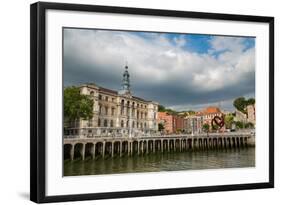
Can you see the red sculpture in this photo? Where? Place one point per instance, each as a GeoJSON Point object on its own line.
{"type": "Point", "coordinates": [219, 121]}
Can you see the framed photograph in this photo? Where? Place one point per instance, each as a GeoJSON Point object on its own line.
{"type": "Point", "coordinates": [129, 102]}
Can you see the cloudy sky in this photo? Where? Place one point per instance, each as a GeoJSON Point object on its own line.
{"type": "Point", "coordinates": [180, 71]}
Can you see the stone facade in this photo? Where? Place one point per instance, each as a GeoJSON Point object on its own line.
{"type": "Point", "coordinates": [240, 116]}
{"type": "Point", "coordinates": [172, 123]}
{"type": "Point", "coordinates": [251, 111]}
{"type": "Point", "coordinates": [193, 124]}
{"type": "Point", "coordinates": [116, 113]}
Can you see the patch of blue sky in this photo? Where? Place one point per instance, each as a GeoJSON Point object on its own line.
{"type": "Point", "coordinates": [197, 43]}
{"type": "Point", "coordinates": [249, 42]}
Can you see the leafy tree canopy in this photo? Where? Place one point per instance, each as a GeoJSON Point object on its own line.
{"type": "Point", "coordinates": [228, 120]}
{"type": "Point", "coordinates": [251, 101]}
{"type": "Point", "coordinates": [161, 127]}
{"type": "Point", "coordinates": [162, 108]}
{"type": "Point", "coordinates": [239, 124]}
{"type": "Point", "coordinates": [241, 103]}
{"type": "Point", "coordinates": [206, 127]}
{"type": "Point", "coordinates": [249, 125]}
{"type": "Point", "coordinates": [76, 105]}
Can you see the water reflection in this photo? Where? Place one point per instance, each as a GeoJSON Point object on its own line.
{"type": "Point", "coordinates": [211, 159]}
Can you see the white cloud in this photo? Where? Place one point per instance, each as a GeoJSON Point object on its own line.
{"type": "Point", "coordinates": [156, 60]}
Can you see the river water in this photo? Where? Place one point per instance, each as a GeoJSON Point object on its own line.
{"type": "Point", "coordinates": [193, 160]}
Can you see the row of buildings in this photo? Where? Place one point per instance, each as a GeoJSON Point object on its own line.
{"type": "Point", "coordinates": [188, 123]}
{"type": "Point", "coordinates": [121, 113]}
{"type": "Point", "coordinates": [193, 123]}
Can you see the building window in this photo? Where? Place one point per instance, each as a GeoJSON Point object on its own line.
{"type": "Point", "coordinates": [122, 107]}
{"type": "Point", "coordinates": [112, 111]}
{"type": "Point", "coordinates": [106, 98]}
{"type": "Point", "coordinates": [100, 97]}
{"type": "Point", "coordinates": [99, 123]}
{"type": "Point", "coordinates": [112, 99]}
{"type": "Point", "coordinates": [122, 123]}
{"type": "Point", "coordinates": [111, 123]}
{"type": "Point", "coordinates": [100, 108]}
{"type": "Point", "coordinates": [128, 108]}
{"type": "Point", "coordinates": [92, 93]}
{"type": "Point", "coordinates": [106, 110]}
{"type": "Point", "coordinates": [145, 125]}
{"type": "Point", "coordinates": [127, 124]}
{"type": "Point", "coordinates": [105, 123]}
{"type": "Point", "coordinates": [133, 124]}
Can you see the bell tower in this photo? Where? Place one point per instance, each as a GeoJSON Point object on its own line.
{"type": "Point", "coordinates": [126, 82]}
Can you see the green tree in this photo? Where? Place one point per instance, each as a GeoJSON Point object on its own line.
{"type": "Point", "coordinates": [161, 108]}
{"type": "Point", "coordinates": [215, 127]}
{"type": "Point", "coordinates": [76, 105]}
{"type": "Point", "coordinates": [228, 120]}
{"type": "Point", "coordinates": [251, 101]}
{"type": "Point", "coordinates": [161, 127]}
{"type": "Point", "coordinates": [239, 125]}
{"type": "Point", "coordinates": [206, 127]}
{"type": "Point", "coordinates": [240, 104]}
{"type": "Point", "coordinates": [249, 125]}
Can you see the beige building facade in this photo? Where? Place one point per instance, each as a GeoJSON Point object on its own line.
{"type": "Point", "coordinates": [116, 113]}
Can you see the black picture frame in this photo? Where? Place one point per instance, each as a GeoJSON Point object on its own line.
{"type": "Point", "coordinates": [38, 101]}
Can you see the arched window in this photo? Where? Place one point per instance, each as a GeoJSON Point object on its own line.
{"type": "Point", "coordinates": [128, 108]}
{"type": "Point", "coordinates": [105, 123]}
{"type": "Point", "coordinates": [133, 109]}
{"type": "Point", "coordinates": [122, 107]}
{"type": "Point", "coordinates": [100, 108]}
{"type": "Point", "coordinates": [111, 123]}
{"type": "Point", "coordinates": [92, 93]}
{"type": "Point", "coordinates": [122, 123]}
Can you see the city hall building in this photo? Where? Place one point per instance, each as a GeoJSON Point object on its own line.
{"type": "Point", "coordinates": [116, 113]}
